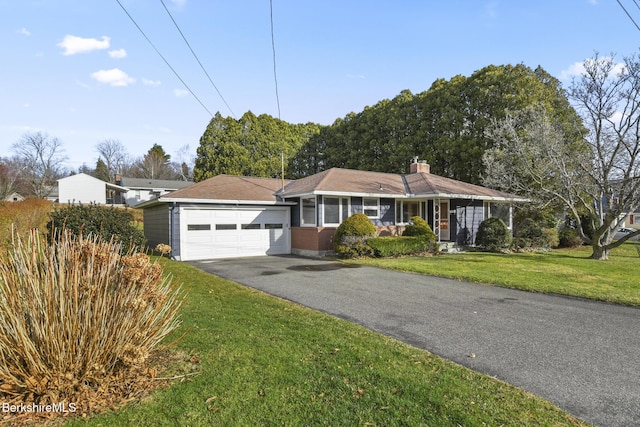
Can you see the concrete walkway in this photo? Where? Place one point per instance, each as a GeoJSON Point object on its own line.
{"type": "Point", "coordinates": [582, 355]}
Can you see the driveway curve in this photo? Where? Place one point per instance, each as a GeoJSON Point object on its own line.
{"type": "Point", "coordinates": [582, 355]}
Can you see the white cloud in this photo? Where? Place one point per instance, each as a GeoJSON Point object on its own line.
{"type": "Point", "coordinates": [24, 32]}
{"type": "Point", "coordinates": [179, 3]}
{"type": "Point", "coordinates": [577, 69]}
{"type": "Point", "coordinates": [73, 44]}
{"type": "Point", "coordinates": [113, 77]}
{"type": "Point", "coordinates": [180, 92]}
{"type": "Point", "coordinates": [117, 54]}
{"type": "Point", "coordinates": [149, 82]}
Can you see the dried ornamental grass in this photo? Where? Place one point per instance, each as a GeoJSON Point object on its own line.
{"type": "Point", "coordinates": [79, 323]}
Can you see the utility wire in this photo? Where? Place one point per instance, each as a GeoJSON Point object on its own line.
{"type": "Point", "coordinates": [629, 15]}
{"type": "Point", "coordinates": [196, 57]}
{"type": "Point", "coordinates": [163, 58]}
{"type": "Point", "coordinates": [273, 48]}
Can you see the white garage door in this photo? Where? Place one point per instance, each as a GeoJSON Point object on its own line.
{"type": "Point", "coordinates": [230, 233]}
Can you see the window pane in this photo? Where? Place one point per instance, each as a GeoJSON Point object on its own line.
{"type": "Point", "coordinates": [501, 211]}
{"type": "Point", "coordinates": [309, 211]}
{"type": "Point", "coordinates": [198, 227]}
{"type": "Point", "coordinates": [409, 210]}
{"type": "Point", "coordinates": [225, 227]}
{"type": "Point", "coordinates": [370, 207]}
{"type": "Point", "coordinates": [273, 226]}
{"type": "Point", "coordinates": [251, 226]}
{"type": "Point", "coordinates": [331, 210]}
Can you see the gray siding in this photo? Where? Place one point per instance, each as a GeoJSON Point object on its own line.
{"type": "Point", "coordinates": [387, 212]}
{"type": "Point", "coordinates": [156, 225]}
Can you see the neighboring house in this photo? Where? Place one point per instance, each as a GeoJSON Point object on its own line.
{"type": "Point", "coordinates": [143, 189]}
{"type": "Point", "coordinates": [52, 194]}
{"type": "Point", "coordinates": [632, 220]}
{"type": "Point", "coordinates": [83, 188]}
{"type": "Point", "coordinates": [233, 216]}
{"type": "Point", "coordinates": [14, 197]}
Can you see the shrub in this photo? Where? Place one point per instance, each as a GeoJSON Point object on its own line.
{"type": "Point", "coordinates": [350, 239]}
{"type": "Point", "coordinates": [21, 217]}
{"type": "Point", "coordinates": [569, 238]}
{"type": "Point", "coordinates": [79, 322]}
{"type": "Point", "coordinates": [418, 227]}
{"type": "Point", "coordinates": [551, 237]}
{"type": "Point", "coordinates": [530, 234]}
{"type": "Point", "coordinates": [106, 222]}
{"type": "Point", "coordinates": [493, 235]}
{"type": "Point", "coordinates": [390, 246]}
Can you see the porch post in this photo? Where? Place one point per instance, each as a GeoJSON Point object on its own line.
{"type": "Point", "coordinates": [436, 218]}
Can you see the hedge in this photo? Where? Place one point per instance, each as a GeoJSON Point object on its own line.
{"type": "Point", "coordinates": [398, 246]}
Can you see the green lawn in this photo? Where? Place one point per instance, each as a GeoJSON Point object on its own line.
{"type": "Point", "coordinates": [264, 361]}
{"type": "Point", "coordinates": [565, 271]}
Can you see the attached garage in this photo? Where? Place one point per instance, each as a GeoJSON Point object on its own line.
{"type": "Point", "coordinates": [222, 217]}
{"type": "Point", "coordinates": [238, 232]}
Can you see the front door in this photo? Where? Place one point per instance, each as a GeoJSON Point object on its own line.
{"type": "Point", "coordinates": [445, 233]}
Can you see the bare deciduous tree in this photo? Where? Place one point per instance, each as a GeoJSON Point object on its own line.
{"type": "Point", "coordinates": [43, 157]}
{"type": "Point", "coordinates": [184, 163]}
{"type": "Point", "coordinates": [598, 175]}
{"type": "Point", "coordinates": [10, 172]}
{"type": "Point", "coordinates": [115, 156]}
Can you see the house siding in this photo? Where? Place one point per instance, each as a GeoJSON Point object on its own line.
{"type": "Point", "coordinates": [81, 189]}
{"type": "Point", "coordinates": [387, 213]}
{"type": "Point", "coordinates": [156, 225]}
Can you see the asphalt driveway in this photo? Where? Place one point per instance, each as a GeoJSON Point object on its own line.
{"type": "Point", "coordinates": [582, 355]}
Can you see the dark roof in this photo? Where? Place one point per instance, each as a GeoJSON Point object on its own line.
{"type": "Point", "coordinates": [165, 184]}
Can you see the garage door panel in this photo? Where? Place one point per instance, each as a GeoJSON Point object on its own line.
{"type": "Point", "coordinates": [228, 233]}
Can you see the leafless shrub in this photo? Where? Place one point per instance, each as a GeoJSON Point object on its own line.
{"type": "Point", "coordinates": [79, 323]}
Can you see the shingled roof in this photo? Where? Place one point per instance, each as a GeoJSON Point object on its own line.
{"type": "Point", "coordinates": [379, 184]}
{"type": "Point", "coordinates": [228, 188]}
{"type": "Point", "coordinates": [334, 181]}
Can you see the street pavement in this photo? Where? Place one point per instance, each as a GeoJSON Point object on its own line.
{"type": "Point", "coordinates": [582, 355]}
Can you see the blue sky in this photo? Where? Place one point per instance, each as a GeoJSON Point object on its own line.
{"type": "Point", "coordinates": [81, 71]}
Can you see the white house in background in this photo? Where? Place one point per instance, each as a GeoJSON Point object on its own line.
{"type": "Point", "coordinates": [14, 197]}
{"type": "Point", "coordinates": [143, 189]}
{"type": "Point", "coordinates": [83, 188]}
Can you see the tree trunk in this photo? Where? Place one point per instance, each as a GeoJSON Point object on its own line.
{"type": "Point", "coordinates": [600, 252]}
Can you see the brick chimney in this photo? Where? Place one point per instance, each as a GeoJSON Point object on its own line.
{"type": "Point", "coordinates": [419, 166]}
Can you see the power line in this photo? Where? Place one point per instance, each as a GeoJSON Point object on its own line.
{"type": "Point", "coordinates": [629, 15]}
{"type": "Point", "coordinates": [273, 48]}
{"type": "Point", "coordinates": [163, 58]}
{"type": "Point", "coordinates": [196, 57]}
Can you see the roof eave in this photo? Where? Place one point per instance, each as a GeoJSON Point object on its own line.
{"type": "Point", "coordinates": [212, 202]}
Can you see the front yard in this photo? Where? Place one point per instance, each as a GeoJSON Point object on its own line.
{"type": "Point", "coordinates": [264, 361]}
{"type": "Point", "coordinates": [562, 271]}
